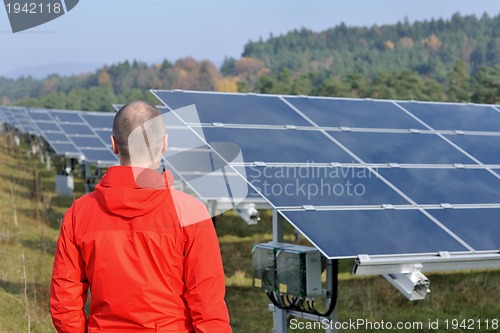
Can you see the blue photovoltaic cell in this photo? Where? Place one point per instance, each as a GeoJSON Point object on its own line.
{"type": "Point", "coordinates": [171, 120]}
{"type": "Point", "coordinates": [401, 148]}
{"type": "Point", "coordinates": [341, 234]}
{"type": "Point", "coordinates": [219, 186]}
{"type": "Point", "coordinates": [66, 116]}
{"type": "Point", "coordinates": [354, 113]}
{"type": "Point", "coordinates": [455, 116]}
{"type": "Point", "coordinates": [64, 148]}
{"type": "Point", "coordinates": [437, 186]}
{"type": "Point", "coordinates": [280, 145]}
{"type": "Point", "coordinates": [103, 156]}
{"type": "Point", "coordinates": [44, 127]}
{"type": "Point", "coordinates": [30, 129]}
{"type": "Point", "coordinates": [184, 138]}
{"type": "Point", "coordinates": [82, 141]}
{"type": "Point", "coordinates": [485, 148]}
{"type": "Point", "coordinates": [99, 121]}
{"type": "Point", "coordinates": [479, 227]}
{"type": "Point", "coordinates": [105, 135]}
{"type": "Point", "coordinates": [36, 116]}
{"type": "Point", "coordinates": [234, 108]}
{"type": "Point", "coordinates": [52, 137]}
{"type": "Point", "coordinates": [328, 186]}
{"type": "Point", "coordinates": [201, 162]}
{"type": "Point", "coordinates": [76, 129]}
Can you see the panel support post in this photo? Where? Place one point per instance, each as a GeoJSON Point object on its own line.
{"type": "Point", "coordinates": [278, 233]}
{"type": "Point", "coordinates": [329, 292]}
{"type": "Point", "coordinates": [47, 160]}
{"type": "Point", "coordinates": [86, 177]}
{"type": "Point", "coordinates": [280, 316]}
{"type": "Point", "coordinates": [280, 320]}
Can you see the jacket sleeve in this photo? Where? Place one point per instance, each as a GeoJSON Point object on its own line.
{"type": "Point", "coordinates": [204, 278]}
{"type": "Point", "coordinates": [68, 289]}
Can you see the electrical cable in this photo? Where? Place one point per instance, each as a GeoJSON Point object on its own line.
{"type": "Point", "coordinates": [333, 297]}
{"type": "Point", "coordinates": [273, 299]}
{"type": "Point", "coordinates": [297, 303]}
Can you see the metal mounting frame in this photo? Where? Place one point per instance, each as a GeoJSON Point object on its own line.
{"type": "Point", "coordinates": [405, 272]}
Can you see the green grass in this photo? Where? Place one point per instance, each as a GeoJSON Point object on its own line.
{"type": "Point", "coordinates": [24, 301]}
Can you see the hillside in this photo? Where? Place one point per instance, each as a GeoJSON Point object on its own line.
{"type": "Point", "coordinates": [428, 48]}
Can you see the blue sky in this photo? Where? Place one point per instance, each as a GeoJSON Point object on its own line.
{"type": "Point", "coordinates": [98, 32]}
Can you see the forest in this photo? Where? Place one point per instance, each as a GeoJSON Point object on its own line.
{"type": "Point", "coordinates": [456, 59]}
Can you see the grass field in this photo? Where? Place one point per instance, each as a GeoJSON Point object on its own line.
{"type": "Point", "coordinates": [30, 214]}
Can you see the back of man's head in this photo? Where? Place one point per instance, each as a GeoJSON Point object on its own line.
{"type": "Point", "coordinates": [139, 134]}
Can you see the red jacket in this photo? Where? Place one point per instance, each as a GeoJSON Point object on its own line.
{"type": "Point", "coordinates": [149, 254]}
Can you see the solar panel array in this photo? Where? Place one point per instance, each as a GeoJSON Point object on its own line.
{"type": "Point", "coordinates": [86, 136]}
{"type": "Point", "coordinates": [74, 134]}
{"type": "Point", "coordinates": [355, 176]}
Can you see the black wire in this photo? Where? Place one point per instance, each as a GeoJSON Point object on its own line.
{"type": "Point", "coordinates": [333, 298]}
{"type": "Point", "coordinates": [299, 304]}
{"type": "Point", "coordinates": [293, 302]}
{"type": "Point", "coordinates": [273, 299]}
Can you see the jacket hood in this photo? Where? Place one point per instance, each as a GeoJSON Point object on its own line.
{"type": "Point", "coordinates": [132, 191]}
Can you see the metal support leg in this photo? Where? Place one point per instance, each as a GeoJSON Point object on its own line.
{"type": "Point", "coordinates": [280, 316]}
{"type": "Point", "coordinates": [47, 160]}
{"type": "Point", "coordinates": [69, 167]}
{"type": "Point", "coordinates": [280, 320]}
{"type": "Point", "coordinates": [86, 177]}
{"type": "Point", "coordinates": [278, 233]}
{"type": "Point", "coordinates": [329, 292]}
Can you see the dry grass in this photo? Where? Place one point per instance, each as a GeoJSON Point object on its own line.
{"type": "Point", "coordinates": [29, 224]}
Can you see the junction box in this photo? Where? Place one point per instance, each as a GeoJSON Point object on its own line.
{"type": "Point", "coordinates": [287, 269]}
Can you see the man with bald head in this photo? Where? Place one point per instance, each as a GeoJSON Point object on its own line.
{"type": "Point", "coordinates": [148, 253]}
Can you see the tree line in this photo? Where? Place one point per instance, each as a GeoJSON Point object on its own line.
{"type": "Point", "coordinates": [439, 60]}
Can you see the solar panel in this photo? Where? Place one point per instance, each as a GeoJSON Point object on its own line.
{"type": "Point", "coordinates": [87, 141]}
{"type": "Point", "coordinates": [340, 233]}
{"type": "Point", "coordinates": [453, 186]}
{"type": "Point", "coordinates": [65, 149]}
{"type": "Point", "coordinates": [333, 112]}
{"type": "Point", "coordinates": [362, 176]}
{"type": "Point", "coordinates": [69, 134]}
{"type": "Point", "coordinates": [66, 116]}
{"type": "Point", "coordinates": [46, 127]}
{"type": "Point", "coordinates": [284, 145]}
{"type": "Point", "coordinates": [56, 136]}
{"type": "Point", "coordinates": [234, 108]}
{"type": "Point", "coordinates": [105, 136]}
{"type": "Point", "coordinates": [17, 118]}
{"type": "Point", "coordinates": [320, 186]}
{"type": "Point", "coordinates": [477, 226]}
{"type": "Point", "coordinates": [76, 129]}
{"type": "Point", "coordinates": [401, 148]}
{"type": "Point", "coordinates": [104, 156]}
{"type": "Point", "coordinates": [466, 117]}
{"type": "Point", "coordinates": [484, 148]}
{"type": "Point", "coordinates": [183, 139]}
{"type": "Point", "coordinates": [40, 116]}
{"type": "Point", "coordinates": [99, 120]}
